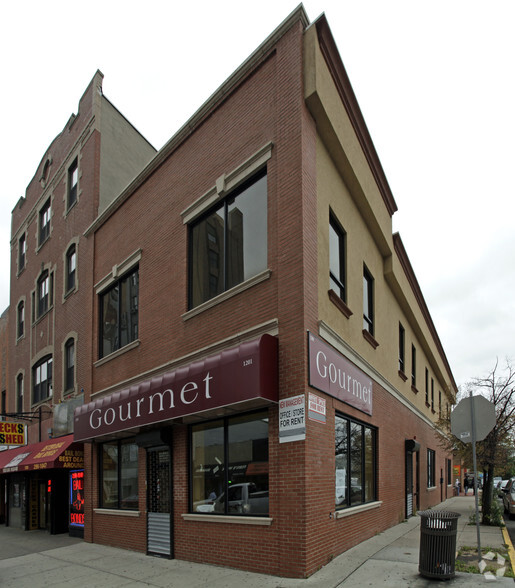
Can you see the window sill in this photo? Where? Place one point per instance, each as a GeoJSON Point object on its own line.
{"type": "Point", "coordinates": [403, 376]}
{"type": "Point", "coordinates": [243, 520]}
{"type": "Point", "coordinates": [353, 510]}
{"type": "Point", "coordinates": [414, 389]}
{"type": "Point", "coordinates": [117, 353]}
{"type": "Point", "coordinates": [228, 294]}
{"type": "Point", "coordinates": [368, 337]}
{"type": "Point", "coordinates": [340, 304]}
{"type": "Point", "coordinates": [431, 488]}
{"type": "Point", "coordinates": [116, 512]}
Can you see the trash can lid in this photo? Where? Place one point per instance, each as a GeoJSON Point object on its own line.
{"type": "Point", "coordinates": [439, 514]}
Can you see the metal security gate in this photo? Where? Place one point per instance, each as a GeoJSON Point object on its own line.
{"type": "Point", "coordinates": [159, 520]}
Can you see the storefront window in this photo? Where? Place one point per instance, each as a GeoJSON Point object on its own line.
{"type": "Point", "coordinates": [355, 462]}
{"type": "Point", "coordinates": [119, 475]}
{"type": "Point", "coordinates": [230, 466]}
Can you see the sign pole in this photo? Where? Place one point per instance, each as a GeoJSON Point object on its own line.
{"type": "Point", "coordinates": [473, 418]}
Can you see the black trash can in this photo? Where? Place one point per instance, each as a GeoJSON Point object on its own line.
{"type": "Point", "coordinates": [437, 558]}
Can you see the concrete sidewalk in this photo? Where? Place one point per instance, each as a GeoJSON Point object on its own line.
{"type": "Point", "coordinates": [34, 559]}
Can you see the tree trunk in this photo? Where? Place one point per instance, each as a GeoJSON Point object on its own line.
{"type": "Point", "coordinates": [488, 492]}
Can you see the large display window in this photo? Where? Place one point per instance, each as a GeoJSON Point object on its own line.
{"type": "Point", "coordinates": [355, 462]}
{"type": "Point", "coordinates": [119, 475]}
{"type": "Point", "coordinates": [229, 465]}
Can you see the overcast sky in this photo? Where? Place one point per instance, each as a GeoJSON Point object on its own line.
{"type": "Point", "coordinates": [434, 80]}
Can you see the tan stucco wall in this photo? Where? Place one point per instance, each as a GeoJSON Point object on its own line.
{"type": "Point", "coordinates": [124, 153]}
{"type": "Point", "coordinates": [346, 186]}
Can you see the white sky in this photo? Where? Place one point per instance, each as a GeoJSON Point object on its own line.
{"type": "Point", "coordinates": [434, 79]}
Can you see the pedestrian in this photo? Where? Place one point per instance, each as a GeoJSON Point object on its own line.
{"type": "Point", "coordinates": [457, 485]}
{"type": "Point", "coordinates": [466, 484]}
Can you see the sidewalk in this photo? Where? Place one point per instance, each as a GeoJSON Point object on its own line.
{"type": "Point", "coordinates": [35, 559]}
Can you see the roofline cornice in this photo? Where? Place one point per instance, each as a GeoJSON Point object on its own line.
{"type": "Point", "coordinates": [232, 82]}
{"type": "Point", "coordinates": [415, 287]}
{"type": "Point", "coordinates": [341, 79]}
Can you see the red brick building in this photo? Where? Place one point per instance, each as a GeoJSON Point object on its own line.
{"type": "Point", "coordinates": [265, 377]}
{"type": "Point", "coordinates": [50, 328]}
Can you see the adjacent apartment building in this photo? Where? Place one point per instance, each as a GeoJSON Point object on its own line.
{"type": "Point", "coordinates": [256, 367]}
{"type": "Point", "coordinates": [93, 158]}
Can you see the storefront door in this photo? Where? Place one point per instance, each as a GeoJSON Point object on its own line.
{"type": "Point", "coordinates": [411, 447]}
{"type": "Point", "coordinates": [42, 499]}
{"type": "Point", "coordinates": [159, 520]}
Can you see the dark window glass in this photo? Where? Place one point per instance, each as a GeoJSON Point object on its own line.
{"type": "Point", "coordinates": [355, 462]}
{"type": "Point", "coordinates": [69, 352]}
{"type": "Point", "coordinates": [229, 244]}
{"type": "Point", "coordinates": [119, 475]}
{"type": "Point", "coordinates": [71, 267]}
{"type": "Point", "coordinates": [432, 394]}
{"type": "Point", "coordinates": [230, 465]}
{"type": "Point", "coordinates": [22, 252]}
{"type": "Point", "coordinates": [42, 380]}
{"type": "Point", "coordinates": [21, 319]}
{"type": "Point", "coordinates": [401, 347]}
{"type": "Point", "coordinates": [73, 179]}
{"type": "Point", "coordinates": [427, 387]}
{"type": "Point", "coordinates": [44, 293]}
{"type": "Point", "coordinates": [413, 366]}
{"type": "Point", "coordinates": [19, 393]}
{"type": "Point", "coordinates": [431, 468]}
{"type": "Point", "coordinates": [337, 258]}
{"type": "Point", "coordinates": [368, 302]}
{"type": "Point", "coordinates": [44, 222]}
{"type": "Point", "coordinates": [119, 314]}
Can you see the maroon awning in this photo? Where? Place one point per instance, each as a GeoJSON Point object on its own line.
{"type": "Point", "coordinates": [236, 376]}
{"type": "Point", "coordinates": [61, 452]}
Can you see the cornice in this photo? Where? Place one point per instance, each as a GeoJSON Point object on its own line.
{"type": "Point", "coordinates": [262, 53]}
{"type": "Point", "coordinates": [415, 287]}
{"type": "Point", "coordinates": [344, 88]}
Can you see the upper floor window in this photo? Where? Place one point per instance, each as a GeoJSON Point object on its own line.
{"type": "Point", "coordinates": [22, 252]}
{"type": "Point", "coordinates": [44, 293]}
{"type": "Point", "coordinates": [413, 366]}
{"type": "Point", "coordinates": [45, 215]}
{"type": "Point", "coordinates": [73, 180]}
{"type": "Point", "coordinates": [337, 258]}
{"type": "Point", "coordinates": [432, 394]}
{"type": "Point", "coordinates": [228, 245]}
{"type": "Point", "coordinates": [21, 319]}
{"type": "Point", "coordinates": [427, 387]}
{"type": "Point", "coordinates": [19, 393]}
{"type": "Point", "coordinates": [69, 365]}
{"type": "Point", "coordinates": [71, 267]}
{"type": "Point", "coordinates": [368, 301]}
{"type": "Point", "coordinates": [42, 380]}
{"type": "Point", "coordinates": [402, 336]}
{"type": "Point", "coordinates": [119, 313]}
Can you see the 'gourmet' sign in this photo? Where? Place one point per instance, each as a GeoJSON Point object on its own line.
{"type": "Point", "coordinates": [239, 375]}
{"type": "Point", "coordinates": [331, 372]}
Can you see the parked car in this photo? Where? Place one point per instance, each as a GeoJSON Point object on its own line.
{"type": "Point", "coordinates": [508, 498]}
{"type": "Point", "coordinates": [243, 499]}
{"type": "Point", "coordinates": [500, 487]}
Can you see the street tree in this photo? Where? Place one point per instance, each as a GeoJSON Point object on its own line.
{"type": "Point", "coordinates": [492, 453]}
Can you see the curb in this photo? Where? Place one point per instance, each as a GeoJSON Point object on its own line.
{"type": "Point", "coordinates": [511, 550]}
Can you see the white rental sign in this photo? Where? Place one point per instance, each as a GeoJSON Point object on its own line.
{"type": "Point", "coordinates": [292, 419]}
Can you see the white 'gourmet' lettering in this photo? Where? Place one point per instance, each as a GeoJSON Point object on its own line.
{"type": "Point", "coordinates": [188, 395]}
{"type": "Point", "coordinates": [338, 377]}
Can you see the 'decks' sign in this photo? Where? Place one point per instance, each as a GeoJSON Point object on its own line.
{"type": "Point", "coordinates": [12, 433]}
